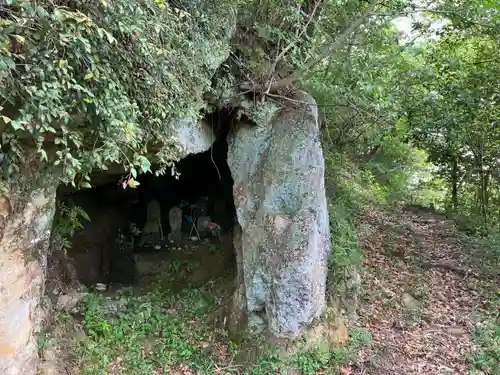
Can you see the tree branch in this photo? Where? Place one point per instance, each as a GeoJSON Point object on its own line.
{"type": "Point", "coordinates": [289, 47]}
{"type": "Point", "coordinates": [455, 14]}
{"type": "Point", "coordinates": [446, 13]}
{"type": "Point", "coordinates": [326, 51]}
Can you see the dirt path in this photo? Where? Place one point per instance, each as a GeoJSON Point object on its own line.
{"type": "Point", "coordinates": [421, 317]}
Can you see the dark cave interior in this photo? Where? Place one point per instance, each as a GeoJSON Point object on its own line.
{"type": "Point", "coordinates": [110, 248]}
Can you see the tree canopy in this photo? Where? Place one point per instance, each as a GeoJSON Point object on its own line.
{"type": "Point", "coordinates": [90, 83]}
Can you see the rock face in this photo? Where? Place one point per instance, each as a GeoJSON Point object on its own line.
{"type": "Point", "coordinates": [27, 209]}
{"type": "Point", "coordinates": [284, 241]}
{"type": "Point", "coordinates": [93, 247]}
{"type": "Point", "coordinates": [281, 244]}
{"type": "Point", "coordinates": [193, 137]}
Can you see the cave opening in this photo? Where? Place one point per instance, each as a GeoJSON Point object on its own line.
{"type": "Point", "coordinates": [170, 227]}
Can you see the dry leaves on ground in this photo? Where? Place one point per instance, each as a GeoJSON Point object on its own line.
{"type": "Point", "coordinates": [420, 318]}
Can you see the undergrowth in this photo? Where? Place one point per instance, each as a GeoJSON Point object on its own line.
{"type": "Point", "coordinates": [486, 358]}
{"type": "Point", "coordinates": [161, 332]}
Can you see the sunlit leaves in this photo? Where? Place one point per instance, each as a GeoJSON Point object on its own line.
{"type": "Point", "coordinates": [104, 77]}
{"type": "Point", "coordinates": [453, 102]}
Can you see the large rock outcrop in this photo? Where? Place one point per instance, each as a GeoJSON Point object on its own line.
{"type": "Point", "coordinates": [26, 211]}
{"type": "Point", "coordinates": [284, 242]}
{"type": "Point", "coordinates": [193, 137]}
{"type": "Point", "coordinates": [27, 206]}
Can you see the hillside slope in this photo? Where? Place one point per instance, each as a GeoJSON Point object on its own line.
{"type": "Point", "coordinates": [429, 298]}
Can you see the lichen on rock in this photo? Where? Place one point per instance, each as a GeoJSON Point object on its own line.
{"type": "Point", "coordinates": [24, 240]}
{"type": "Point", "coordinates": [281, 207]}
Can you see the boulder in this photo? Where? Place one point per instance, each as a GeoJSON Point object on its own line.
{"type": "Point", "coordinates": [193, 137]}
{"type": "Point", "coordinates": [283, 244]}
{"type": "Point", "coordinates": [27, 211]}
{"type": "Point", "coordinates": [68, 301]}
{"type": "Point", "coordinates": [410, 302]}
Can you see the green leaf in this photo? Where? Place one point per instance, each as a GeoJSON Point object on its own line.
{"type": "Point", "coordinates": [145, 164]}
{"type": "Point", "coordinates": [16, 124]}
{"type": "Point", "coordinates": [43, 156]}
{"type": "Point", "coordinates": [109, 36]}
{"type": "Point", "coordinates": [6, 119]}
{"type": "Point", "coordinates": [88, 76]}
{"type": "Point", "coordinates": [7, 63]}
{"type": "Point", "coordinates": [133, 183]}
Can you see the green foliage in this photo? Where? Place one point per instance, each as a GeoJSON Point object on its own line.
{"type": "Point", "coordinates": [398, 111]}
{"type": "Point", "coordinates": [367, 159]}
{"type": "Point", "coordinates": [330, 359]}
{"type": "Point", "coordinates": [67, 222]}
{"type": "Point", "coordinates": [486, 357]}
{"type": "Point", "coordinates": [451, 97]}
{"type": "Point", "coordinates": [139, 322]}
{"type": "Point", "coordinates": [345, 248]}
{"type": "Point", "coordinates": [90, 83]}
{"type": "Point", "coordinates": [161, 330]}
{"type": "Point", "coordinates": [179, 265]}
{"type": "Point", "coordinates": [487, 238]}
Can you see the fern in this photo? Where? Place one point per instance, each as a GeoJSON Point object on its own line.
{"type": "Point", "coordinates": [68, 222]}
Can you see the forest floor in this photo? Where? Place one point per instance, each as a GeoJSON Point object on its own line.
{"type": "Point", "coordinates": [431, 298]}
{"type": "Point", "coordinates": [429, 305]}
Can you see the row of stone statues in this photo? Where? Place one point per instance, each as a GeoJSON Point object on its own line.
{"type": "Point", "coordinates": [201, 224]}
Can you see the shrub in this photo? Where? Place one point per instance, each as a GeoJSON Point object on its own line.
{"type": "Point", "coordinates": [102, 81]}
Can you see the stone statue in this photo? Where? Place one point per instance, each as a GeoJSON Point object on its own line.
{"type": "Point", "coordinates": [152, 231]}
{"type": "Point", "coordinates": [175, 221]}
{"type": "Point", "coordinates": [202, 224]}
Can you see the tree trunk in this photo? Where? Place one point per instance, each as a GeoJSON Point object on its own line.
{"type": "Point", "coordinates": [484, 194]}
{"type": "Point", "coordinates": [454, 183]}
{"type": "Point", "coordinates": [482, 188]}
{"type": "Point", "coordinates": [326, 51]}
